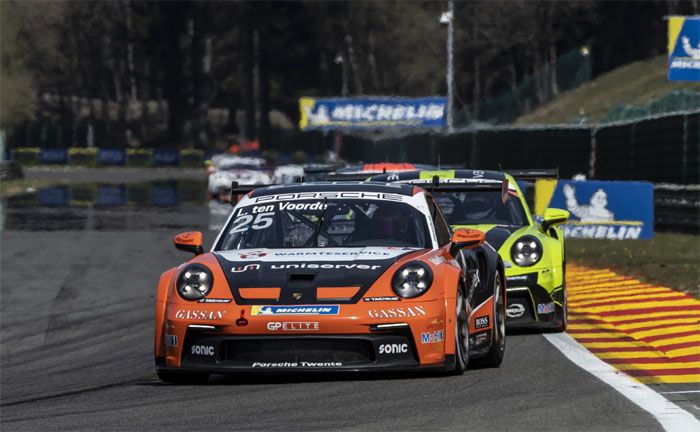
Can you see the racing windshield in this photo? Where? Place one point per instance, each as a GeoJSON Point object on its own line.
{"type": "Point", "coordinates": [480, 207]}
{"type": "Point", "coordinates": [325, 223]}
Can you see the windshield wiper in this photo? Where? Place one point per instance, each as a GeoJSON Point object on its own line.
{"type": "Point", "coordinates": [320, 221]}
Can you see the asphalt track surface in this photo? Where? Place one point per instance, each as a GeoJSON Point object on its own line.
{"type": "Point", "coordinates": [76, 327]}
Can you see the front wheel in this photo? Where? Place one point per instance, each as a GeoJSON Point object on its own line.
{"type": "Point", "coordinates": [461, 334]}
{"type": "Point", "coordinates": [183, 378]}
{"type": "Point", "coordinates": [494, 358]}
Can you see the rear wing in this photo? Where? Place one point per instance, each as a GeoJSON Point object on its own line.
{"type": "Point", "coordinates": [534, 174]}
{"type": "Point", "coordinates": [238, 190]}
{"type": "Point", "coordinates": [349, 176]}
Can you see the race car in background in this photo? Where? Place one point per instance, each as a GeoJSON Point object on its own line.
{"type": "Point", "coordinates": [223, 169]}
{"type": "Point", "coordinates": [363, 172]}
{"type": "Point", "coordinates": [331, 276]}
{"type": "Point", "coordinates": [533, 252]}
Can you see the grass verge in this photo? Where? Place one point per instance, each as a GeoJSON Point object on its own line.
{"type": "Point", "coordinates": [636, 83]}
{"type": "Point", "coordinates": [672, 260]}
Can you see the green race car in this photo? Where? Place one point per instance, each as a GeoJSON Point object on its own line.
{"type": "Point", "coordinates": [532, 250]}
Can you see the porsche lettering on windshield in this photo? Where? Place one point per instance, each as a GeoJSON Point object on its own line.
{"type": "Point", "coordinates": [326, 220]}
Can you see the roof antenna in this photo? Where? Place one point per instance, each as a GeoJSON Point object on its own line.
{"type": "Point", "coordinates": [500, 168]}
{"type": "Point", "coordinates": [384, 170]}
{"type": "Point", "coordinates": [439, 161]}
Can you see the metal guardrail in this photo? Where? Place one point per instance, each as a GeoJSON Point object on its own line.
{"type": "Point", "coordinates": [677, 208]}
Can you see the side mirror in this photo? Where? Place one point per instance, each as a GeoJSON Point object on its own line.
{"type": "Point", "coordinates": [554, 216]}
{"type": "Point", "coordinates": [189, 242]}
{"type": "Point", "coordinates": [465, 238]}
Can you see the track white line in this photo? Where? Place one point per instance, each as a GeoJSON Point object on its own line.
{"type": "Point", "coordinates": [671, 416]}
{"type": "Point", "coordinates": [683, 391]}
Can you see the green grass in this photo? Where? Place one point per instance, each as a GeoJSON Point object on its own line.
{"type": "Point", "coordinates": [672, 260]}
{"type": "Point", "coordinates": [637, 84]}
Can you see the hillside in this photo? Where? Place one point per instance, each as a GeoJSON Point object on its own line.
{"type": "Point", "coordinates": [636, 84]}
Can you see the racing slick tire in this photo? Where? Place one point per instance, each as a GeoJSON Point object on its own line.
{"type": "Point", "coordinates": [183, 378]}
{"type": "Point", "coordinates": [461, 335]}
{"type": "Point", "coordinates": [494, 358]}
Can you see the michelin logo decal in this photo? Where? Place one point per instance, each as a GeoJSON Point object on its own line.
{"type": "Point", "coordinates": [295, 310]}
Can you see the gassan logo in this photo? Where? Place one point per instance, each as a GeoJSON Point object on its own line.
{"type": "Point", "coordinates": [399, 312]}
{"type": "Point", "coordinates": [295, 310]}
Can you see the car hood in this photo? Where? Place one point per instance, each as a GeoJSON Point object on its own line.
{"type": "Point", "coordinates": [300, 272]}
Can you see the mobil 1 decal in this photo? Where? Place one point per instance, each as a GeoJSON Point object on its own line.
{"type": "Point", "coordinates": [299, 272]}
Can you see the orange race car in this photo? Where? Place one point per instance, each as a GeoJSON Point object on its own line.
{"type": "Point", "coordinates": [331, 276]}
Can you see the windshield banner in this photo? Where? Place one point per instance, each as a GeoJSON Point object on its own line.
{"type": "Point", "coordinates": [371, 112]}
{"type": "Point", "coordinates": [684, 48]}
{"type": "Point", "coordinates": [614, 210]}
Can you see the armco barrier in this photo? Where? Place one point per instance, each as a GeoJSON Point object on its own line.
{"type": "Point", "coordinates": [677, 208]}
{"type": "Point", "coordinates": [53, 156]}
{"type": "Point", "coordinates": [111, 156]}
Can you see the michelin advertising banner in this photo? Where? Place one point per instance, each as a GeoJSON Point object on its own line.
{"type": "Point", "coordinates": [371, 112]}
{"type": "Point", "coordinates": [684, 48]}
{"type": "Point", "coordinates": [616, 210]}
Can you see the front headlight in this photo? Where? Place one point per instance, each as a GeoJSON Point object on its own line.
{"type": "Point", "coordinates": [412, 279]}
{"type": "Point", "coordinates": [526, 251]}
{"type": "Point", "coordinates": [194, 282]}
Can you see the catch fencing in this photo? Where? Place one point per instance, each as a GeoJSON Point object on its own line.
{"type": "Point", "coordinates": [663, 148]}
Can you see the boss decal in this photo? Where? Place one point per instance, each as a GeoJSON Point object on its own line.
{"type": "Point", "coordinates": [481, 322]}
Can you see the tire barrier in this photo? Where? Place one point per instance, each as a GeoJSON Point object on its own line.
{"type": "Point", "coordinates": [650, 332]}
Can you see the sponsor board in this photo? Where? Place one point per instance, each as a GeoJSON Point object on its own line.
{"type": "Point", "coordinates": [432, 337]}
{"type": "Point", "coordinates": [545, 308]}
{"type": "Point", "coordinates": [481, 322]}
{"type": "Point", "coordinates": [515, 310]}
{"type": "Point", "coordinates": [295, 310]}
{"type": "Point", "coordinates": [371, 112]}
{"type": "Point", "coordinates": [302, 364]}
{"type": "Point", "coordinates": [399, 312]}
{"type": "Point", "coordinates": [615, 210]}
{"type": "Point", "coordinates": [684, 48]}
{"type": "Point", "coordinates": [292, 326]}
{"type": "Point", "coordinates": [199, 314]}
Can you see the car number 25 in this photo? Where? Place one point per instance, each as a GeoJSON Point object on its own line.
{"type": "Point", "coordinates": [260, 221]}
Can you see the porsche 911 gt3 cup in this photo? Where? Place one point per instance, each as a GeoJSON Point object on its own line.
{"type": "Point", "coordinates": [331, 276]}
{"type": "Point", "coordinates": [492, 201]}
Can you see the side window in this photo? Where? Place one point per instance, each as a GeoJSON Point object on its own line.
{"type": "Point", "coordinates": [442, 230]}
